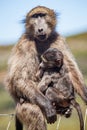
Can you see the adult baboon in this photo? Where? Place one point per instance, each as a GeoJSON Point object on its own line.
{"type": "Point", "coordinates": [21, 81]}
{"type": "Point", "coordinates": [56, 85]}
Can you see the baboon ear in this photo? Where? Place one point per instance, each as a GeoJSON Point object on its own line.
{"type": "Point", "coordinates": [59, 63]}
{"type": "Point", "coordinates": [23, 21]}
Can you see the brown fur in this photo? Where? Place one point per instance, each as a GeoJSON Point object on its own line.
{"type": "Point", "coordinates": [21, 78]}
{"type": "Point", "coordinates": [32, 116]}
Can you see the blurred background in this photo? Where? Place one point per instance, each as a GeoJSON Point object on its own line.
{"type": "Point", "coordinates": [72, 24]}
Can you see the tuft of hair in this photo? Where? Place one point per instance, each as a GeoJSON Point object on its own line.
{"type": "Point", "coordinates": [45, 10]}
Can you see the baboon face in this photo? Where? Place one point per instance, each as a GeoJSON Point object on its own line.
{"type": "Point", "coordinates": [41, 29]}
{"type": "Point", "coordinates": [40, 23]}
{"type": "Point", "coordinates": [53, 58]}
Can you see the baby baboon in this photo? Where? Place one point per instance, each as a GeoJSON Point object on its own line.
{"type": "Point", "coordinates": [56, 85]}
{"type": "Point", "coordinates": [21, 80]}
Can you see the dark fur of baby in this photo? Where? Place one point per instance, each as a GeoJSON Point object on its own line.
{"type": "Point", "coordinates": [55, 82]}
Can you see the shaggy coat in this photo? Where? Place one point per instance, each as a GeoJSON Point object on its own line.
{"type": "Point", "coordinates": [23, 64]}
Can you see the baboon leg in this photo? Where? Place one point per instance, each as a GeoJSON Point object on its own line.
{"type": "Point", "coordinates": [31, 116]}
{"type": "Point", "coordinates": [77, 106]}
{"type": "Point", "coordinates": [18, 124]}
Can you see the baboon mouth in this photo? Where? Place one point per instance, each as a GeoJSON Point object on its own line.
{"type": "Point", "coordinates": [42, 37]}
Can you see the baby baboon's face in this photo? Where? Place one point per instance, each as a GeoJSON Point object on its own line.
{"type": "Point", "coordinates": [53, 58]}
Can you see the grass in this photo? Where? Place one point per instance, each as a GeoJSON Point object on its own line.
{"type": "Point", "coordinates": [65, 124]}
{"type": "Point", "coordinates": [5, 48]}
{"type": "Point", "coordinates": [6, 106]}
{"type": "Point", "coordinates": [4, 55]}
{"type": "Point", "coordinates": [4, 120]}
{"type": "Point", "coordinates": [78, 45]}
{"type": "Point", "coordinates": [6, 102]}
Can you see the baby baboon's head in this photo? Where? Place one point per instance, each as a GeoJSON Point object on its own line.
{"type": "Point", "coordinates": [53, 58]}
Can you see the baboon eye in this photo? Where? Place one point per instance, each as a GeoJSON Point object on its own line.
{"type": "Point", "coordinates": [57, 60]}
{"type": "Point", "coordinates": [38, 15]}
{"type": "Point", "coordinates": [34, 16]}
{"type": "Point", "coordinates": [42, 14]}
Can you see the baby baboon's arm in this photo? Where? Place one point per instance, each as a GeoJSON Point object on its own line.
{"type": "Point", "coordinates": [43, 84]}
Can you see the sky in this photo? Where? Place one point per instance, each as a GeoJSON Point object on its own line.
{"type": "Point", "coordinates": [72, 17]}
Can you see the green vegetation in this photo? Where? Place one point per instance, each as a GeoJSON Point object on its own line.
{"type": "Point", "coordinates": [78, 45]}
{"type": "Point", "coordinates": [4, 54]}
{"type": "Point", "coordinates": [6, 102]}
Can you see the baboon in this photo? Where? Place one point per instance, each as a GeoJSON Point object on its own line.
{"type": "Point", "coordinates": [21, 79]}
{"type": "Point", "coordinates": [56, 85]}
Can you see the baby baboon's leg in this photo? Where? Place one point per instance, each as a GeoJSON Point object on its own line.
{"type": "Point", "coordinates": [77, 106]}
{"type": "Point", "coordinates": [58, 99]}
{"type": "Point", "coordinates": [54, 95]}
{"type": "Point", "coordinates": [31, 116]}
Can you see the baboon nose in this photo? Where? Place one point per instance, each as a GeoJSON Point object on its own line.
{"type": "Point", "coordinates": [40, 30]}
